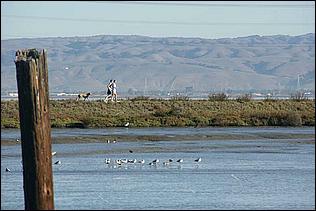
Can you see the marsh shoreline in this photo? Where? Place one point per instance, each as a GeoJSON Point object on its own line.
{"type": "Point", "coordinates": [139, 113]}
{"type": "Point", "coordinates": [306, 138]}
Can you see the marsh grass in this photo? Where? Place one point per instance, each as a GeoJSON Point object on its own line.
{"type": "Point", "coordinates": [143, 112]}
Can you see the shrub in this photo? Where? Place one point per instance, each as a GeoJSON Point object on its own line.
{"type": "Point", "coordinates": [290, 119]}
{"type": "Point", "coordinates": [161, 112]}
{"type": "Point", "coordinates": [180, 98]}
{"type": "Point", "coordinates": [176, 121]}
{"type": "Point", "coordinates": [10, 123]}
{"type": "Point", "coordinates": [217, 97]}
{"type": "Point", "coordinates": [244, 98]}
{"type": "Point", "coordinates": [139, 98]}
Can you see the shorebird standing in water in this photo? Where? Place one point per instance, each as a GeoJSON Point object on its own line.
{"type": "Point", "coordinates": [132, 161]}
{"type": "Point", "coordinates": [155, 161]}
{"type": "Point", "coordinates": [141, 161]}
{"type": "Point", "coordinates": [124, 160]}
{"type": "Point", "coordinates": [180, 160]}
{"type": "Point", "coordinates": [198, 160]}
{"type": "Point", "coordinates": [107, 160]}
{"type": "Point", "coordinates": [58, 162]}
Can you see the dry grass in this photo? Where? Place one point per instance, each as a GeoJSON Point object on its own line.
{"type": "Point", "coordinates": [145, 112]}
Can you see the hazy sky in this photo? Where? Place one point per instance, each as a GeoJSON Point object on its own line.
{"type": "Point", "coordinates": [205, 19]}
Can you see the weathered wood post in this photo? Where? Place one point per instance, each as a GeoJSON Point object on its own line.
{"type": "Point", "coordinates": [32, 81]}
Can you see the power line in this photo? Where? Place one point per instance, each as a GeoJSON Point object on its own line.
{"type": "Point", "coordinates": [211, 4]}
{"type": "Point", "coordinates": [148, 22]}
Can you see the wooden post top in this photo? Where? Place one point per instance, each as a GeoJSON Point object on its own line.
{"type": "Point", "coordinates": [27, 54]}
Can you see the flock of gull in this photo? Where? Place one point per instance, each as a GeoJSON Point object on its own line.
{"type": "Point", "coordinates": [120, 162]}
{"type": "Point", "coordinates": [142, 161]}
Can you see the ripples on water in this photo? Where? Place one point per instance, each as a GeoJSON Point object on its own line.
{"type": "Point", "coordinates": [234, 174]}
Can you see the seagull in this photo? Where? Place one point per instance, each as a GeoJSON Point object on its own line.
{"type": "Point", "coordinates": [123, 160]}
{"type": "Point", "coordinates": [53, 153]}
{"type": "Point", "coordinates": [141, 161]}
{"type": "Point", "coordinates": [17, 140]}
{"type": "Point", "coordinates": [156, 161]}
{"type": "Point", "coordinates": [180, 160]}
{"type": "Point", "coordinates": [170, 160]}
{"type": "Point", "coordinates": [131, 151]}
{"type": "Point", "coordinates": [133, 161]}
{"type": "Point", "coordinates": [107, 141]}
{"type": "Point", "coordinates": [58, 162]}
{"type": "Point", "coordinates": [198, 160]}
{"type": "Point", "coordinates": [127, 124]}
{"type": "Point", "coordinates": [107, 160]}
{"type": "Point", "coordinates": [8, 170]}
{"type": "Point", "coordinates": [166, 163]}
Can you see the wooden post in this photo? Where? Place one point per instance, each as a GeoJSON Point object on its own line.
{"type": "Point", "coordinates": [32, 81]}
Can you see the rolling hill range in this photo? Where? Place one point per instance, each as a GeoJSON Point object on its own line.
{"type": "Point", "coordinates": [162, 64]}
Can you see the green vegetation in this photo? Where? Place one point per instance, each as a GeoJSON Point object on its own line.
{"type": "Point", "coordinates": [218, 97]}
{"type": "Point", "coordinates": [145, 112]}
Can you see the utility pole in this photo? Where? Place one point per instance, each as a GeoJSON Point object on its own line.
{"type": "Point", "coordinates": [145, 89]}
{"type": "Point", "coordinates": [298, 82]}
{"type": "Point", "coordinates": [32, 81]}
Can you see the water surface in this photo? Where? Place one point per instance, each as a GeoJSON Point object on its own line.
{"type": "Point", "coordinates": [233, 174]}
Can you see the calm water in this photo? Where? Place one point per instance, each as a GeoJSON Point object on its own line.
{"type": "Point", "coordinates": [234, 174]}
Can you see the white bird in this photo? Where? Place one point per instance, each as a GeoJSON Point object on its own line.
{"type": "Point", "coordinates": [198, 160]}
{"type": "Point", "coordinates": [54, 153]}
{"type": "Point", "coordinates": [17, 140]}
{"type": "Point", "coordinates": [107, 141]}
{"type": "Point", "coordinates": [156, 161]}
{"type": "Point", "coordinates": [8, 170]}
{"type": "Point", "coordinates": [180, 160]}
{"type": "Point", "coordinates": [166, 163]}
{"type": "Point", "coordinates": [141, 161]}
{"type": "Point", "coordinates": [124, 160]}
{"type": "Point", "coordinates": [107, 160]}
{"type": "Point", "coordinates": [127, 124]}
{"type": "Point", "coordinates": [58, 162]}
{"type": "Point", "coordinates": [132, 161]}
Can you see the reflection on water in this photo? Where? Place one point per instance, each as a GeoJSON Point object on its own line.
{"type": "Point", "coordinates": [234, 174]}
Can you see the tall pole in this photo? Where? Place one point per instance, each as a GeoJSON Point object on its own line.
{"type": "Point", "coordinates": [32, 81]}
{"type": "Point", "coordinates": [298, 82]}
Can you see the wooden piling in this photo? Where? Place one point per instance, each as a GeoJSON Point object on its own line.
{"type": "Point", "coordinates": [32, 81]}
